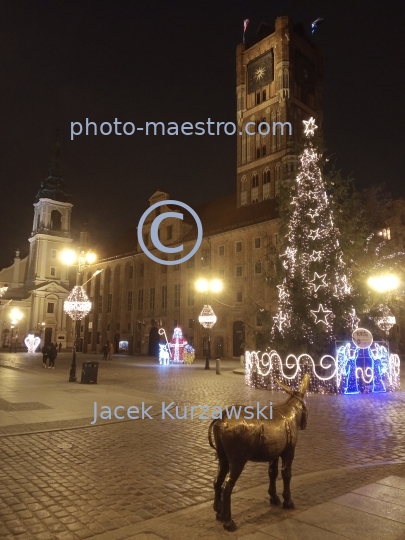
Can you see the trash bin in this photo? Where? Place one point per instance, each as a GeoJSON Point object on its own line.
{"type": "Point", "coordinates": [89, 373]}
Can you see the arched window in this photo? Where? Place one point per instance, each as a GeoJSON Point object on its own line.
{"type": "Point", "coordinates": [278, 132]}
{"type": "Point", "coordinates": [56, 220]}
{"type": "Point", "coordinates": [266, 184]}
{"type": "Point", "coordinates": [273, 134]}
{"type": "Point", "coordinates": [286, 78]}
{"type": "Point", "coordinates": [280, 79]}
{"type": "Point", "coordinates": [277, 178]}
{"type": "Point", "coordinates": [243, 191]}
{"type": "Point", "coordinates": [254, 193]}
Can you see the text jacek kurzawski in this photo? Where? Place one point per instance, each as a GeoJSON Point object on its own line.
{"type": "Point", "coordinates": [172, 411]}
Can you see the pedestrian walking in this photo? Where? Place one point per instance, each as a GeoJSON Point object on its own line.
{"type": "Point", "coordinates": [110, 351]}
{"type": "Point", "coordinates": [45, 353]}
{"type": "Point", "coordinates": [105, 351]}
{"type": "Point", "coordinates": [60, 346]}
{"type": "Point", "coordinates": [53, 353]}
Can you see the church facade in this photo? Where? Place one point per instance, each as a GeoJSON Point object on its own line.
{"type": "Point", "coordinates": [39, 283]}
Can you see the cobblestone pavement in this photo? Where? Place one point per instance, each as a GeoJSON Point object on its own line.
{"type": "Point", "coordinates": [77, 483]}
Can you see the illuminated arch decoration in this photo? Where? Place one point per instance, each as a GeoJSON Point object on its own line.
{"type": "Point", "coordinates": [352, 371]}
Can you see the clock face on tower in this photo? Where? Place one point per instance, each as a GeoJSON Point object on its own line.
{"type": "Point", "coordinates": [260, 71]}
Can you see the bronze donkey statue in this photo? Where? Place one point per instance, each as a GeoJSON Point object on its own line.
{"type": "Point", "coordinates": [238, 441]}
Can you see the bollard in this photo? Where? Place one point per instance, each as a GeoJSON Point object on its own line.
{"type": "Point", "coordinates": [218, 366]}
{"type": "Point", "coordinates": [242, 359]}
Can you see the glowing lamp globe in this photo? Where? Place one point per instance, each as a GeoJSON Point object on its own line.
{"type": "Point", "coordinates": [383, 283]}
{"type": "Point", "coordinates": [202, 285]}
{"type": "Point", "coordinates": [77, 304]}
{"type": "Point", "coordinates": [91, 257]}
{"type": "Point", "coordinates": [207, 317]}
{"type": "Point", "coordinates": [68, 256]}
{"type": "Point", "coordinates": [216, 285]}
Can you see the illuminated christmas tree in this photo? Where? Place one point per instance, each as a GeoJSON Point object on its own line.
{"type": "Point", "coordinates": [314, 295]}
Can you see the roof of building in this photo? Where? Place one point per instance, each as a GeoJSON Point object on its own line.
{"type": "Point", "coordinates": [217, 216]}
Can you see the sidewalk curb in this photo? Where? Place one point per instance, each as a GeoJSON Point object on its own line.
{"type": "Point", "coordinates": [147, 526]}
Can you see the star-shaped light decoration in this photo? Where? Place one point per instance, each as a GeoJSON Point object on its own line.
{"type": "Point", "coordinates": [279, 319]}
{"type": "Point", "coordinates": [321, 314]}
{"type": "Point", "coordinates": [259, 73]}
{"type": "Point", "coordinates": [318, 281]}
{"type": "Point", "coordinates": [313, 213]}
{"type": "Point", "coordinates": [281, 292]}
{"type": "Point", "coordinates": [310, 127]}
{"type": "Point", "coordinates": [313, 234]}
{"type": "Point", "coordinates": [353, 319]}
{"type": "Point", "coordinates": [316, 256]}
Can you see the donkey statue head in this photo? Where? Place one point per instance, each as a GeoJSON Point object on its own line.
{"type": "Point", "coordinates": [299, 395]}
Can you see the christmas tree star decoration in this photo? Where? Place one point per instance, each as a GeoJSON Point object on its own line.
{"type": "Point", "coordinates": [310, 127]}
{"type": "Point", "coordinates": [316, 256]}
{"type": "Point", "coordinates": [354, 320]}
{"type": "Point", "coordinates": [281, 291]}
{"type": "Point", "coordinates": [318, 281]}
{"type": "Point", "coordinates": [313, 234]}
{"type": "Point", "coordinates": [279, 320]}
{"type": "Point", "coordinates": [321, 314]}
{"type": "Point", "coordinates": [313, 214]}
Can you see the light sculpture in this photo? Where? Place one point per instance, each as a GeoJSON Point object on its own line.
{"type": "Point", "coordinates": [32, 342]}
{"type": "Point", "coordinates": [77, 304]}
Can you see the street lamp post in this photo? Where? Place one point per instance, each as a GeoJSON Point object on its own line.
{"type": "Point", "coordinates": [77, 304]}
{"type": "Point", "coordinates": [207, 317]}
{"type": "Point", "coordinates": [15, 317]}
{"type": "Point", "coordinates": [384, 283]}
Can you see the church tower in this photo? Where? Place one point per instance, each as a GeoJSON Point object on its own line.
{"type": "Point", "coordinates": [47, 276]}
{"type": "Point", "coordinates": [51, 228]}
{"type": "Point", "coordinates": [279, 82]}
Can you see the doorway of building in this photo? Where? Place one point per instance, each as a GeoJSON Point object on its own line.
{"type": "Point", "coordinates": [238, 338]}
{"type": "Point", "coordinates": [219, 347]}
{"type": "Point", "coordinates": [153, 342]}
{"type": "Point", "coordinates": [48, 336]}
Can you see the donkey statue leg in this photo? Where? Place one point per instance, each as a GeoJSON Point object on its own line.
{"type": "Point", "coordinates": [287, 458]}
{"type": "Point", "coordinates": [273, 473]}
{"type": "Point", "coordinates": [223, 469]}
{"type": "Point", "coordinates": [235, 470]}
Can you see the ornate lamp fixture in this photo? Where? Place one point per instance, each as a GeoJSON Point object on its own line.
{"type": "Point", "coordinates": [386, 320]}
{"type": "Point", "coordinates": [207, 317]}
{"type": "Point", "coordinates": [77, 304]}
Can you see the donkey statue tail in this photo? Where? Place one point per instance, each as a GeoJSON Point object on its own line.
{"type": "Point", "coordinates": [210, 432]}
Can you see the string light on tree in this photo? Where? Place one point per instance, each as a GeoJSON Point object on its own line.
{"type": "Point", "coordinates": [321, 314]}
{"type": "Point", "coordinates": [318, 281]}
{"type": "Point", "coordinates": [314, 295]}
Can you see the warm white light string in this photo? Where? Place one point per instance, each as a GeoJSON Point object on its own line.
{"type": "Point", "coordinates": [342, 376]}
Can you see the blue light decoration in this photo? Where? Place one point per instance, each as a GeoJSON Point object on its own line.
{"type": "Point", "coordinates": [355, 370]}
{"type": "Point", "coordinates": [364, 371]}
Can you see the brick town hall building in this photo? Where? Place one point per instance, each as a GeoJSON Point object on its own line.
{"type": "Point", "coordinates": [278, 79]}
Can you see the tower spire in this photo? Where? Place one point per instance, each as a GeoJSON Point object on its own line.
{"type": "Point", "coordinates": [54, 187]}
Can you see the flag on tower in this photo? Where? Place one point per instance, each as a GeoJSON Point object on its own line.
{"type": "Point", "coordinates": [245, 25]}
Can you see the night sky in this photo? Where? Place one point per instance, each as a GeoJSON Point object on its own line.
{"type": "Point", "coordinates": [149, 60]}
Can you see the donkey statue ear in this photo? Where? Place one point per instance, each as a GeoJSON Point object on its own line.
{"type": "Point", "coordinates": [304, 384]}
{"type": "Point", "coordinates": [284, 387]}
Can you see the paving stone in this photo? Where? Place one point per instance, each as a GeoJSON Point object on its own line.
{"type": "Point", "coordinates": [289, 529]}
{"type": "Point", "coordinates": [352, 523]}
